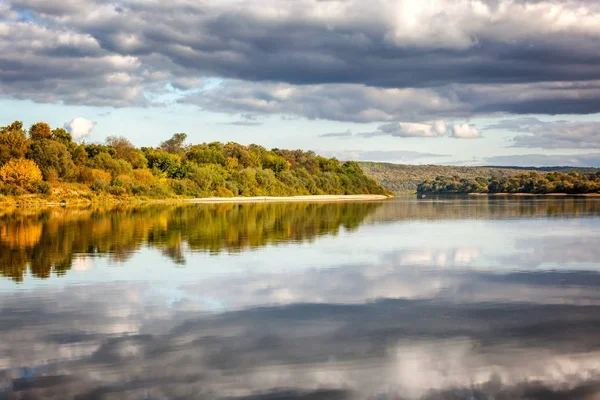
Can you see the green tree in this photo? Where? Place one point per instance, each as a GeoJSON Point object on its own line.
{"type": "Point", "coordinates": [165, 162]}
{"type": "Point", "coordinates": [205, 154]}
{"type": "Point", "coordinates": [52, 157]}
{"type": "Point", "coordinates": [62, 136]}
{"type": "Point", "coordinates": [13, 142]}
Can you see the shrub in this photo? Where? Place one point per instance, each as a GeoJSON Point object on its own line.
{"type": "Point", "coordinates": [207, 177]}
{"type": "Point", "coordinates": [92, 175]}
{"type": "Point", "coordinates": [99, 186]}
{"type": "Point", "coordinates": [21, 172]}
{"type": "Point", "coordinates": [144, 177]}
{"type": "Point", "coordinates": [43, 188]}
{"type": "Point", "coordinates": [106, 162]}
{"type": "Point", "coordinates": [184, 187]}
{"type": "Point", "coordinates": [117, 190]}
{"type": "Point", "coordinates": [159, 190]}
{"type": "Point", "coordinates": [224, 192]}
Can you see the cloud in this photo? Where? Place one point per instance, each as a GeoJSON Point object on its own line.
{"type": "Point", "coordinates": [546, 160]}
{"type": "Point", "coordinates": [80, 127]}
{"type": "Point", "coordinates": [360, 103]}
{"type": "Point", "coordinates": [402, 348]}
{"type": "Point", "coordinates": [397, 60]}
{"type": "Point", "coordinates": [465, 131]}
{"type": "Point", "coordinates": [397, 156]}
{"type": "Point", "coordinates": [409, 129]}
{"type": "Point", "coordinates": [246, 120]}
{"type": "Point", "coordinates": [339, 102]}
{"type": "Point", "coordinates": [345, 134]}
{"type": "Point", "coordinates": [552, 134]}
{"type": "Point", "coordinates": [424, 130]}
{"type": "Point", "coordinates": [513, 124]}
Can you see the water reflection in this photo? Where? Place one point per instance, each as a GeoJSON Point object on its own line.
{"type": "Point", "coordinates": [462, 306]}
{"type": "Point", "coordinates": [114, 344]}
{"type": "Point", "coordinates": [47, 240]}
{"type": "Point", "coordinates": [483, 207]}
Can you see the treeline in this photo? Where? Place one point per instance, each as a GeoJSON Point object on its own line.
{"type": "Point", "coordinates": [47, 161]}
{"type": "Point", "coordinates": [401, 178]}
{"type": "Point", "coordinates": [530, 182]}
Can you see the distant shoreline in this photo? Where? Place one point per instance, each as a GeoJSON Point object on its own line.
{"type": "Point", "coordinates": [537, 194]}
{"type": "Point", "coordinates": [208, 200]}
{"type": "Point", "coordinates": [274, 199]}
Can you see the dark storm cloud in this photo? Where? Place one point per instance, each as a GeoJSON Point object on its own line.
{"type": "Point", "coordinates": [358, 103]}
{"type": "Point", "coordinates": [345, 58]}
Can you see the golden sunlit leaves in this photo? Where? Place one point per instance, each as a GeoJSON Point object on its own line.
{"type": "Point", "coordinates": [21, 172]}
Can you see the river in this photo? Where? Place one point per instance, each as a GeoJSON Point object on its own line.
{"type": "Point", "coordinates": [459, 298]}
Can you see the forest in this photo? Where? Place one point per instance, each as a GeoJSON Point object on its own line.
{"type": "Point", "coordinates": [46, 163]}
{"type": "Point", "coordinates": [528, 182]}
{"type": "Point", "coordinates": [400, 178]}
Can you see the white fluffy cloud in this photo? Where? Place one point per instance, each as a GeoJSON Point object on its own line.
{"type": "Point", "coordinates": [80, 127]}
{"type": "Point", "coordinates": [425, 130]}
{"type": "Point", "coordinates": [409, 129]}
{"type": "Point", "coordinates": [465, 131]}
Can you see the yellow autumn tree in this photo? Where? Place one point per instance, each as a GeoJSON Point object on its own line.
{"type": "Point", "coordinates": [21, 172]}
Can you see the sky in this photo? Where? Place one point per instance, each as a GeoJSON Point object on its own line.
{"type": "Point", "coordinates": [465, 82]}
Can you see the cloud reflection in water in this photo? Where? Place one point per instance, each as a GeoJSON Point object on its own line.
{"type": "Point", "coordinates": [428, 319]}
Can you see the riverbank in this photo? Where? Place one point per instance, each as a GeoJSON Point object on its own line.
{"type": "Point", "coordinates": [36, 201]}
{"type": "Point", "coordinates": [537, 194]}
{"type": "Point", "coordinates": [316, 198]}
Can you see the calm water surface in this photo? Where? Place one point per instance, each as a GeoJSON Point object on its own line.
{"type": "Point", "coordinates": [449, 299]}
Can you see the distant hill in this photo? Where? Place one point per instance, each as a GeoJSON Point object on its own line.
{"type": "Point", "coordinates": [403, 178]}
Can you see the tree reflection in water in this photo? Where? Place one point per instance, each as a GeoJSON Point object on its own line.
{"type": "Point", "coordinates": [46, 240]}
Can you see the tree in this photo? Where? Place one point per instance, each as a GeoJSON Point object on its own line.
{"type": "Point", "coordinates": [21, 172]}
{"type": "Point", "coordinates": [203, 154]}
{"type": "Point", "coordinates": [39, 131]}
{"type": "Point", "coordinates": [175, 145]}
{"type": "Point", "coordinates": [125, 150]}
{"type": "Point", "coordinates": [79, 155]}
{"type": "Point", "coordinates": [52, 156]}
{"type": "Point", "coordinates": [13, 142]}
{"type": "Point", "coordinates": [165, 162]}
{"type": "Point", "coordinates": [62, 136]}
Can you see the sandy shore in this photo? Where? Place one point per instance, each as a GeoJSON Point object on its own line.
{"type": "Point", "coordinates": [265, 199]}
{"type": "Point", "coordinates": [206, 200]}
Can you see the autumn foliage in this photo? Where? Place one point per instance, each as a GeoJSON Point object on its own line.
{"type": "Point", "coordinates": [21, 172]}
{"type": "Point", "coordinates": [47, 161]}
